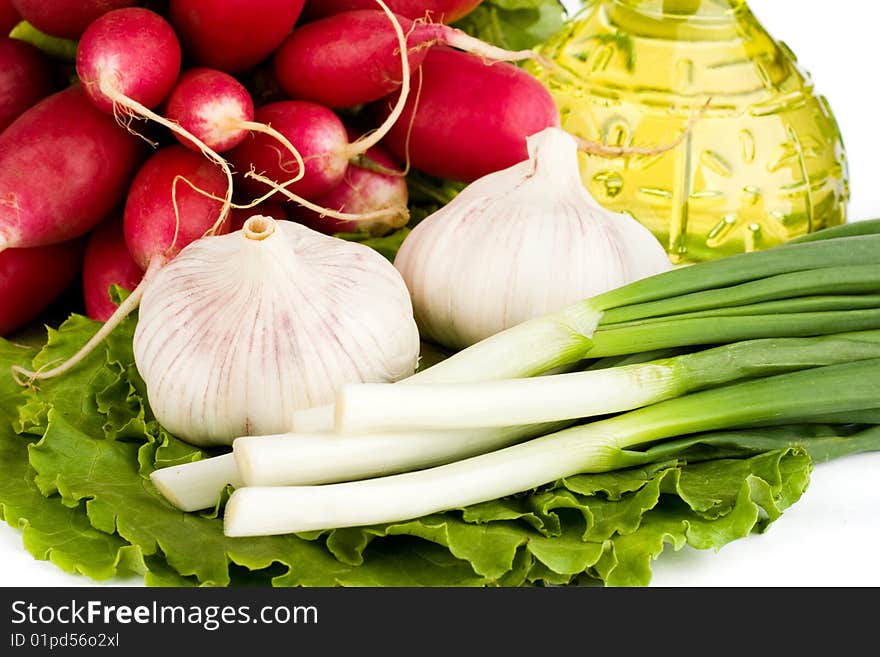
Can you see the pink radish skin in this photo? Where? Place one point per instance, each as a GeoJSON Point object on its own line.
{"type": "Point", "coordinates": [31, 279]}
{"type": "Point", "coordinates": [363, 190]}
{"type": "Point", "coordinates": [316, 62]}
{"type": "Point", "coordinates": [316, 132]}
{"type": "Point", "coordinates": [154, 233]}
{"type": "Point", "coordinates": [25, 77]}
{"type": "Point", "coordinates": [320, 145]}
{"type": "Point", "coordinates": [66, 18]}
{"type": "Point", "coordinates": [9, 17]}
{"type": "Point", "coordinates": [472, 118]}
{"type": "Point", "coordinates": [233, 35]}
{"type": "Point", "coordinates": [441, 11]}
{"type": "Point", "coordinates": [64, 166]}
{"type": "Point", "coordinates": [150, 223]}
{"type": "Point", "coordinates": [213, 106]}
{"type": "Point", "coordinates": [272, 209]}
{"type": "Point", "coordinates": [107, 262]}
{"type": "Point", "coordinates": [133, 52]}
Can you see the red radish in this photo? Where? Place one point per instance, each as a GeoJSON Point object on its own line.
{"type": "Point", "coordinates": [66, 18]}
{"type": "Point", "coordinates": [154, 230]}
{"type": "Point", "coordinates": [318, 135]}
{"type": "Point", "coordinates": [163, 213]}
{"type": "Point", "coordinates": [213, 106]}
{"type": "Point", "coordinates": [31, 279]}
{"type": "Point", "coordinates": [64, 166]}
{"type": "Point", "coordinates": [233, 35]}
{"type": "Point", "coordinates": [9, 17]}
{"type": "Point", "coordinates": [128, 56]}
{"type": "Point", "coordinates": [472, 117]}
{"type": "Point", "coordinates": [365, 189]}
{"type": "Point", "coordinates": [442, 11]}
{"type": "Point", "coordinates": [107, 262]}
{"type": "Point", "coordinates": [129, 61]}
{"type": "Point", "coordinates": [317, 61]}
{"type": "Point", "coordinates": [25, 77]}
{"type": "Point", "coordinates": [272, 209]}
{"type": "Point", "coordinates": [218, 110]}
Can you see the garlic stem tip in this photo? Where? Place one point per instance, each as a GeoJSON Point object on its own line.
{"type": "Point", "coordinates": [258, 227]}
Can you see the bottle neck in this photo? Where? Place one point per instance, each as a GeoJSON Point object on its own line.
{"type": "Point", "coordinates": [707, 10]}
{"type": "Point", "coordinates": [693, 20]}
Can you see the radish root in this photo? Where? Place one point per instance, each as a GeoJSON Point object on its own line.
{"type": "Point", "coordinates": [455, 38]}
{"type": "Point", "coordinates": [26, 378]}
{"type": "Point", "coordinates": [367, 141]}
{"type": "Point", "coordinates": [108, 88]}
{"type": "Point", "coordinates": [397, 215]}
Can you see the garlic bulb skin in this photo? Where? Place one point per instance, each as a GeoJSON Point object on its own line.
{"type": "Point", "coordinates": [239, 331]}
{"type": "Point", "coordinates": [519, 243]}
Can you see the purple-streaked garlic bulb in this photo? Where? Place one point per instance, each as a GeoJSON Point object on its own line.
{"type": "Point", "coordinates": [239, 331]}
{"type": "Point", "coordinates": [519, 243]}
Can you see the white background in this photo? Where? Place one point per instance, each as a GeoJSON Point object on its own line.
{"type": "Point", "coordinates": [831, 537]}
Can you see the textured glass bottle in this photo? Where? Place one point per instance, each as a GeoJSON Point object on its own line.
{"type": "Point", "coordinates": [765, 163]}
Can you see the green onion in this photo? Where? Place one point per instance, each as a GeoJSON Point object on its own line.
{"type": "Point", "coordinates": [564, 337]}
{"type": "Point", "coordinates": [713, 330]}
{"type": "Point", "coordinates": [851, 229]}
{"type": "Point", "coordinates": [822, 442]}
{"type": "Point", "coordinates": [744, 267]}
{"type": "Point", "coordinates": [310, 456]}
{"type": "Point", "coordinates": [197, 485]}
{"type": "Point", "coordinates": [595, 447]}
{"type": "Point", "coordinates": [845, 279]}
{"type": "Point", "coordinates": [301, 459]}
{"type": "Point", "coordinates": [861, 416]}
{"type": "Point", "coordinates": [375, 407]}
{"type": "Point", "coordinates": [807, 304]}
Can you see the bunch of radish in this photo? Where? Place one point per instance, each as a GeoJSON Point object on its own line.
{"type": "Point", "coordinates": [157, 141]}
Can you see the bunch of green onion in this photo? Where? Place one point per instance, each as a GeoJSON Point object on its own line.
{"type": "Point", "coordinates": [769, 342]}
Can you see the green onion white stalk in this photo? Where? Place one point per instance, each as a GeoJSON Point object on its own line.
{"type": "Point", "coordinates": [366, 408]}
{"type": "Point", "coordinates": [302, 459]}
{"type": "Point", "coordinates": [305, 457]}
{"type": "Point", "coordinates": [197, 485]}
{"type": "Point", "coordinates": [595, 447]}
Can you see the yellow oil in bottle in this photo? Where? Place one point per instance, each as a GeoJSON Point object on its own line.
{"type": "Point", "coordinates": [764, 163]}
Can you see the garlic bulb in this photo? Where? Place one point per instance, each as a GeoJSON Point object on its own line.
{"type": "Point", "coordinates": [239, 331]}
{"type": "Point", "coordinates": [519, 243]}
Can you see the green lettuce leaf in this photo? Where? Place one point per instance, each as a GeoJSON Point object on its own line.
{"type": "Point", "coordinates": [50, 530]}
{"type": "Point", "coordinates": [515, 24]}
{"type": "Point", "coordinates": [617, 537]}
{"type": "Point", "coordinates": [99, 441]}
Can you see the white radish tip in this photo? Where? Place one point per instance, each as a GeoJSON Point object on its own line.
{"type": "Point", "coordinates": [258, 227]}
